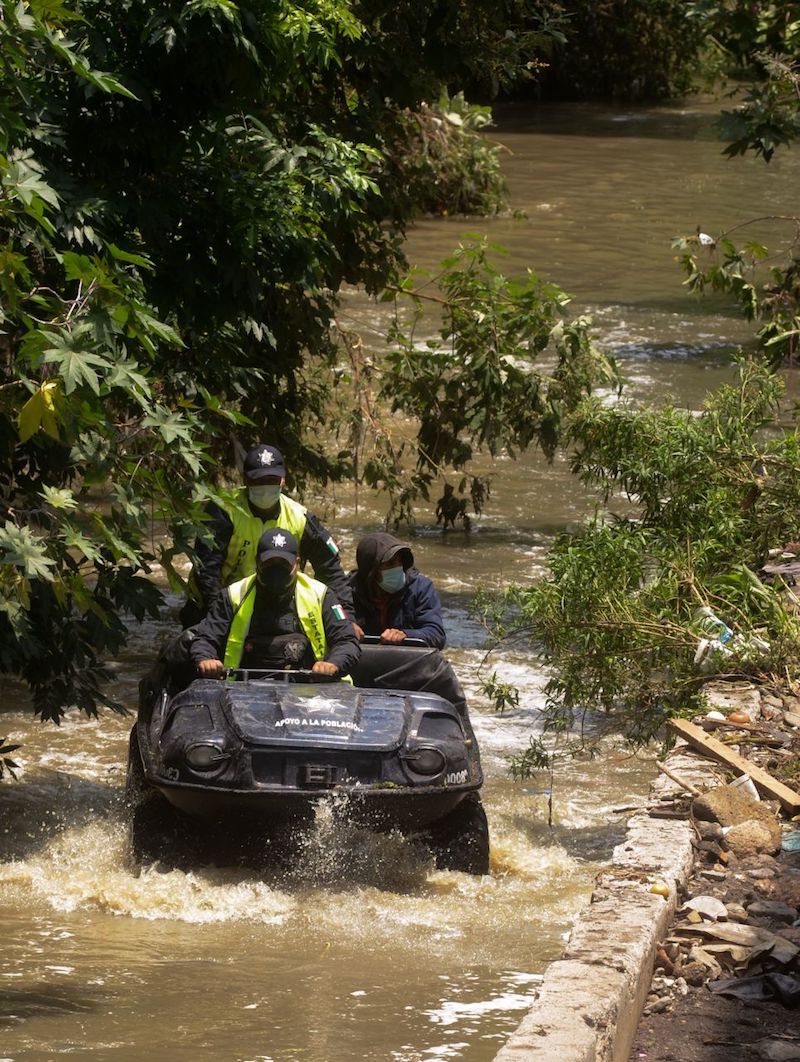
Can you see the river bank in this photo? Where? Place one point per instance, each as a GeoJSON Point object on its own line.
{"type": "Point", "coordinates": [689, 902]}
{"type": "Point", "coordinates": [726, 981]}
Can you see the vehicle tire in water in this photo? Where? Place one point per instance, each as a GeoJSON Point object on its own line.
{"type": "Point", "coordinates": [156, 828]}
{"type": "Point", "coordinates": [135, 786]}
{"type": "Point", "coordinates": [460, 841]}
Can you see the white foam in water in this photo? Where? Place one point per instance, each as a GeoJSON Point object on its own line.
{"type": "Point", "coordinates": [451, 1012]}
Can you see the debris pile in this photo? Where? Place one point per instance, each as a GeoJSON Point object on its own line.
{"type": "Point", "coordinates": [737, 930]}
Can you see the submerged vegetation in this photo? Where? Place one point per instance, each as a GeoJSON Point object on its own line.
{"type": "Point", "coordinates": [690, 505]}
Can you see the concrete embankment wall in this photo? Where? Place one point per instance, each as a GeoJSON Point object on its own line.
{"type": "Point", "coordinates": [590, 1002]}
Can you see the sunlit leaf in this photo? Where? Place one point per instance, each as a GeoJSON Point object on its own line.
{"type": "Point", "coordinates": [40, 412]}
{"type": "Point", "coordinates": [18, 546]}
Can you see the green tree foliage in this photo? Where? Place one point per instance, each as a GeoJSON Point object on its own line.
{"type": "Point", "coordinates": [619, 618]}
{"type": "Point", "coordinates": [626, 49]}
{"type": "Point", "coordinates": [767, 294]}
{"type": "Point", "coordinates": [80, 405]}
{"type": "Point", "coordinates": [475, 384]}
{"type": "Point", "coordinates": [769, 117]}
{"type": "Point", "coordinates": [738, 34]}
{"type": "Point", "coordinates": [184, 189]}
{"type": "Point", "coordinates": [758, 43]}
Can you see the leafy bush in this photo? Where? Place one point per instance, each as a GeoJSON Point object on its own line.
{"type": "Point", "coordinates": [473, 385]}
{"type": "Point", "coordinates": [767, 294]}
{"type": "Point", "coordinates": [445, 161]}
{"type": "Point", "coordinates": [618, 619]}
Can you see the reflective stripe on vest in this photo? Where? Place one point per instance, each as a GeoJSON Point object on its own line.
{"type": "Point", "coordinates": [240, 557]}
{"type": "Point", "coordinates": [308, 597]}
{"type": "Point", "coordinates": [240, 560]}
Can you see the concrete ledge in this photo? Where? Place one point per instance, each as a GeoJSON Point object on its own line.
{"type": "Point", "coordinates": [590, 1002]}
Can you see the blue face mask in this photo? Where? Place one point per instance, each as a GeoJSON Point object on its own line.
{"type": "Point", "coordinates": [392, 580]}
{"type": "Point", "coordinates": [264, 497]}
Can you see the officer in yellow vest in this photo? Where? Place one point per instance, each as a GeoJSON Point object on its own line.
{"type": "Point", "coordinates": [247, 512]}
{"type": "Point", "coordinates": [277, 618]}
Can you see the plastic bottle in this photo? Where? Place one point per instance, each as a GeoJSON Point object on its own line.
{"type": "Point", "coordinates": [712, 625]}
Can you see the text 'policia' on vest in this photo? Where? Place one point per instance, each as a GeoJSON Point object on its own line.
{"type": "Point", "coordinates": [236, 523]}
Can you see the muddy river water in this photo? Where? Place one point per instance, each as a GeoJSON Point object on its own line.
{"type": "Point", "coordinates": [363, 952]}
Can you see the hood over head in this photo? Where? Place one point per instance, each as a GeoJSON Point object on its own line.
{"type": "Point", "coordinates": [378, 548]}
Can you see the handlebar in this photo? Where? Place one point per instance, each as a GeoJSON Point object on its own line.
{"type": "Point", "coordinates": [244, 674]}
{"type": "Point", "coordinates": [407, 643]}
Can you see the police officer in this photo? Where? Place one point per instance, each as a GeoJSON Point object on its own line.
{"type": "Point", "coordinates": [246, 512]}
{"type": "Point", "coordinates": [277, 619]}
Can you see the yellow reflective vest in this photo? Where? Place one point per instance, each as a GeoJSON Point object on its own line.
{"type": "Point", "coordinates": [308, 596]}
{"type": "Point", "coordinates": [240, 559]}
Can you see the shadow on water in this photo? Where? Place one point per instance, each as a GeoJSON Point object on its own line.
{"type": "Point", "coordinates": [676, 121]}
{"type": "Point", "coordinates": [42, 1001]}
{"type": "Point", "coordinates": [37, 809]}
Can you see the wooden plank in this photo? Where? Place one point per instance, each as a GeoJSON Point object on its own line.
{"type": "Point", "coordinates": [764, 782]}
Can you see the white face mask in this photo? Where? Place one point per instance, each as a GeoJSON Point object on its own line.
{"type": "Point", "coordinates": [264, 497]}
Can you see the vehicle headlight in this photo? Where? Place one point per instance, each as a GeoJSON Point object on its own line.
{"type": "Point", "coordinates": [426, 760]}
{"type": "Point", "coordinates": [205, 756]}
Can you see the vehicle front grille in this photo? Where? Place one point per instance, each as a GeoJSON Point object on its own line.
{"type": "Point", "coordinates": [309, 771]}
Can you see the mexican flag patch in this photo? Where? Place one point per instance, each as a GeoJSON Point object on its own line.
{"type": "Point", "coordinates": [338, 612]}
{"type": "Point", "coordinates": [332, 546]}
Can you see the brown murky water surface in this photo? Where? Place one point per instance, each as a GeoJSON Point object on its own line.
{"type": "Point", "coordinates": [363, 953]}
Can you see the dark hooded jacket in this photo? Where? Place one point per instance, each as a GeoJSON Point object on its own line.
{"type": "Point", "coordinates": [416, 609]}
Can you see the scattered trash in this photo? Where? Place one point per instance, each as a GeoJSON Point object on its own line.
{"type": "Point", "coordinates": [660, 888]}
{"type": "Point", "coordinates": [738, 717]}
{"type": "Point", "coordinates": [720, 641]}
{"type": "Point", "coordinates": [745, 783]}
{"type": "Point", "coordinates": [791, 841]}
{"type": "Point", "coordinates": [708, 906]}
{"type": "Point", "coordinates": [751, 941]}
{"type": "Point", "coordinates": [707, 649]}
{"type": "Point", "coordinates": [760, 988]}
{"type": "Point", "coordinates": [712, 625]}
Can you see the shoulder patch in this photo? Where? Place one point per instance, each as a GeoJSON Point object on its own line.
{"type": "Point", "coordinates": [338, 612]}
{"type": "Point", "coordinates": [332, 546]}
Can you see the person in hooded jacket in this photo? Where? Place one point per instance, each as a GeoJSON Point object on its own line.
{"type": "Point", "coordinates": [391, 599]}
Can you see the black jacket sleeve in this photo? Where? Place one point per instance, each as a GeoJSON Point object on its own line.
{"type": "Point", "coordinates": [343, 647]}
{"type": "Point", "coordinates": [210, 557]}
{"type": "Point", "coordinates": [211, 634]}
{"type": "Point", "coordinates": [318, 547]}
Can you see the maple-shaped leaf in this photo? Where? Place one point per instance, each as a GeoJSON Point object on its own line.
{"type": "Point", "coordinates": [19, 547]}
{"type": "Point", "coordinates": [76, 366]}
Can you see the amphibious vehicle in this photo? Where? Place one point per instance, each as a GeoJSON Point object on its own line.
{"type": "Point", "coordinates": [254, 753]}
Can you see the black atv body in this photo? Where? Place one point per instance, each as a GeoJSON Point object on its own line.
{"type": "Point", "coordinates": [259, 750]}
